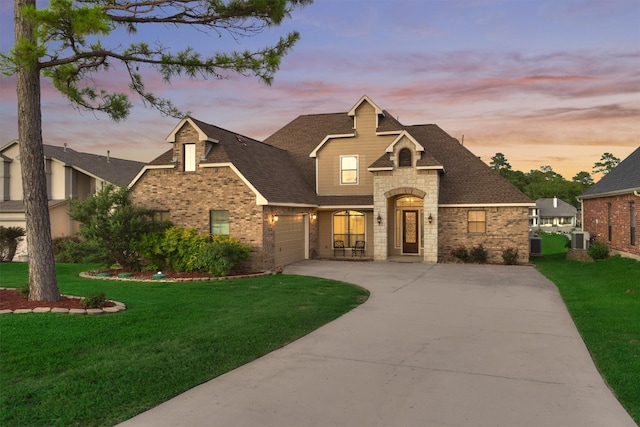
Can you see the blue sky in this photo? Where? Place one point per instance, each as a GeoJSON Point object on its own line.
{"type": "Point", "coordinates": [545, 82]}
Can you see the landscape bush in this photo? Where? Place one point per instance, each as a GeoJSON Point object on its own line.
{"type": "Point", "coordinates": [510, 255]}
{"type": "Point", "coordinates": [478, 254]}
{"type": "Point", "coordinates": [461, 253]}
{"type": "Point", "coordinates": [96, 300]}
{"type": "Point", "coordinates": [184, 249]}
{"type": "Point", "coordinates": [598, 250]}
{"type": "Point", "coordinates": [73, 249]}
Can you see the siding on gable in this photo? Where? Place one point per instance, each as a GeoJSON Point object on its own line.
{"type": "Point", "coordinates": [366, 145]}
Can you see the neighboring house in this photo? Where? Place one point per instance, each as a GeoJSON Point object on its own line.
{"type": "Point", "coordinates": [553, 214]}
{"type": "Point", "coordinates": [610, 207]}
{"type": "Point", "coordinates": [325, 182]}
{"type": "Point", "coordinates": [70, 175]}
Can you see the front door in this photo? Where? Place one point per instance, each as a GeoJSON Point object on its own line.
{"type": "Point", "coordinates": [409, 232]}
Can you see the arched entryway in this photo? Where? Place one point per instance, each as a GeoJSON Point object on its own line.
{"type": "Point", "coordinates": [408, 229]}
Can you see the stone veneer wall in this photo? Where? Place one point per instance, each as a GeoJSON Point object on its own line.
{"type": "Point", "coordinates": [405, 181]}
{"type": "Point", "coordinates": [506, 227]}
{"type": "Point", "coordinates": [189, 196]}
{"type": "Point", "coordinates": [593, 209]}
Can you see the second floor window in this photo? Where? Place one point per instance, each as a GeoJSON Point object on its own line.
{"type": "Point", "coordinates": [404, 157]}
{"type": "Point", "coordinates": [189, 157]}
{"type": "Point", "coordinates": [348, 169]}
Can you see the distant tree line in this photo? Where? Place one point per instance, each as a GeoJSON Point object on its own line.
{"type": "Point", "coordinates": [545, 183]}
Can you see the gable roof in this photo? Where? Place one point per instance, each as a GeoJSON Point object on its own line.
{"type": "Point", "coordinates": [467, 179]}
{"type": "Point", "coordinates": [111, 169]}
{"type": "Point", "coordinates": [548, 211]}
{"type": "Point", "coordinates": [624, 178]}
{"type": "Point", "coordinates": [268, 170]}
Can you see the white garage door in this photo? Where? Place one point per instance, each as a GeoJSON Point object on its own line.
{"type": "Point", "coordinates": [290, 239]}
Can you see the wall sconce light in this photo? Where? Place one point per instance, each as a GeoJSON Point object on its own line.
{"type": "Point", "coordinates": [430, 218]}
{"type": "Point", "coordinates": [275, 218]}
{"type": "Point", "coordinates": [379, 219]}
{"type": "Point", "coordinates": [314, 216]}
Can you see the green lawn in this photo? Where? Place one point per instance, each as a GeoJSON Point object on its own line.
{"type": "Point", "coordinates": [603, 298]}
{"type": "Point", "coordinates": [60, 369]}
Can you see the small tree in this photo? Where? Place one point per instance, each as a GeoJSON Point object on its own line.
{"type": "Point", "coordinates": [10, 237]}
{"type": "Point", "coordinates": [500, 164]}
{"type": "Point", "coordinates": [109, 220]}
{"type": "Point", "coordinates": [607, 162]}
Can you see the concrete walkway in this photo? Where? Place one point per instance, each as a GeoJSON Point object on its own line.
{"type": "Point", "coordinates": [435, 345]}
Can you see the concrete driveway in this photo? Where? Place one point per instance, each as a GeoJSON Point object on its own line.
{"type": "Point", "coordinates": [435, 345]}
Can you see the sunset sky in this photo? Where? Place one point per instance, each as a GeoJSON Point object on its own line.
{"type": "Point", "coordinates": [546, 82]}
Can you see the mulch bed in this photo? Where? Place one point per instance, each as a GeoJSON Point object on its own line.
{"type": "Point", "coordinates": [11, 299]}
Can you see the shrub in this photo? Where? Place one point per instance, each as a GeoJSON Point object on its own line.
{"type": "Point", "coordinates": [24, 291]}
{"type": "Point", "coordinates": [97, 300]}
{"type": "Point", "coordinates": [222, 255]}
{"type": "Point", "coordinates": [478, 254]}
{"type": "Point", "coordinates": [72, 249]}
{"type": "Point", "coordinates": [598, 250]}
{"type": "Point", "coordinates": [9, 239]}
{"type": "Point", "coordinates": [174, 249]}
{"type": "Point", "coordinates": [510, 255]}
{"type": "Point", "coordinates": [461, 253]}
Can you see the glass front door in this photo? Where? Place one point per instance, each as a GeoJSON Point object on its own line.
{"type": "Point", "coordinates": [410, 232]}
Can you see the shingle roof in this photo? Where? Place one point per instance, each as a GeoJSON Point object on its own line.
{"type": "Point", "coordinates": [623, 178]}
{"type": "Point", "coordinates": [117, 171]}
{"type": "Point", "coordinates": [301, 136]}
{"type": "Point", "coordinates": [467, 179]}
{"type": "Point", "coordinates": [548, 211]}
{"type": "Point", "coordinates": [270, 170]}
{"type": "Point", "coordinates": [17, 206]}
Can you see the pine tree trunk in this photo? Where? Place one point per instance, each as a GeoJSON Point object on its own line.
{"type": "Point", "coordinates": [43, 284]}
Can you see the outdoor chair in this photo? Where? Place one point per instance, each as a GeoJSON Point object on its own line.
{"type": "Point", "coordinates": [359, 247]}
{"type": "Point", "coordinates": [338, 245]}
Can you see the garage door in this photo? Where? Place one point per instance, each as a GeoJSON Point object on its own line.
{"type": "Point", "coordinates": [290, 239]}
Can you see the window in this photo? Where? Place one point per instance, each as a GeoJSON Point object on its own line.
{"type": "Point", "coordinates": [160, 216]}
{"type": "Point", "coordinates": [404, 157]}
{"type": "Point", "coordinates": [477, 221]}
{"type": "Point", "coordinates": [348, 226]}
{"type": "Point", "coordinates": [189, 157]}
{"type": "Point", "coordinates": [348, 169]}
{"type": "Point", "coordinates": [609, 216]}
{"type": "Point", "coordinates": [632, 223]}
{"type": "Point", "coordinates": [219, 222]}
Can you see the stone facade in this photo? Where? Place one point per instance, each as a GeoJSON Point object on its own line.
{"type": "Point", "coordinates": [505, 227]}
{"type": "Point", "coordinates": [596, 220]}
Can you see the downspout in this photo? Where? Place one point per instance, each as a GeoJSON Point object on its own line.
{"type": "Point", "coordinates": [581, 213]}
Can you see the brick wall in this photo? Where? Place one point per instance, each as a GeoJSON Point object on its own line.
{"type": "Point", "coordinates": [620, 221]}
{"type": "Point", "coordinates": [505, 227]}
{"type": "Point", "coordinates": [189, 196]}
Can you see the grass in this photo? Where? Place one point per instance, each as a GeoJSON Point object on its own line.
{"type": "Point", "coordinates": [85, 370]}
{"type": "Point", "coordinates": [603, 299]}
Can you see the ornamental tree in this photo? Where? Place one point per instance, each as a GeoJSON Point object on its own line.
{"type": "Point", "coordinates": [68, 43]}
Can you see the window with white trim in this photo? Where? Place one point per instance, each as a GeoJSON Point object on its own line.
{"type": "Point", "coordinates": [348, 169]}
{"type": "Point", "coordinates": [189, 157]}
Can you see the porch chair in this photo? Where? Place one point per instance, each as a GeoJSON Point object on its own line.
{"type": "Point", "coordinates": [338, 245]}
{"type": "Point", "coordinates": [359, 247]}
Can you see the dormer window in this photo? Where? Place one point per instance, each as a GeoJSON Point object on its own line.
{"type": "Point", "coordinates": [189, 157]}
{"type": "Point", "coordinates": [404, 158]}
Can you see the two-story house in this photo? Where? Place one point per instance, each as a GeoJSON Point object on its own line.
{"type": "Point", "coordinates": [553, 214]}
{"type": "Point", "coordinates": [356, 183]}
{"type": "Point", "coordinates": [70, 175]}
{"type": "Point", "coordinates": [610, 207]}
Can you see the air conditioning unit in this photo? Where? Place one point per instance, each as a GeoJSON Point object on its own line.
{"type": "Point", "coordinates": [579, 240]}
{"type": "Point", "coordinates": [535, 245]}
